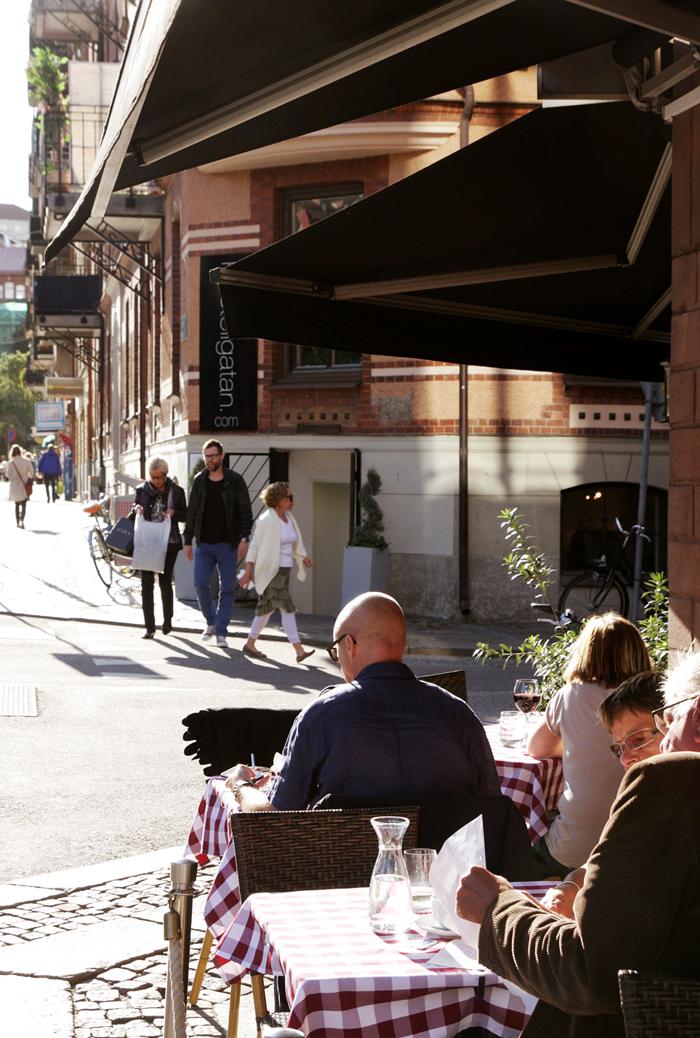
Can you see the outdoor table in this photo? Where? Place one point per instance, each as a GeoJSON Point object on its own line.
{"type": "Point", "coordinates": [341, 978]}
{"type": "Point", "coordinates": [533, 785]}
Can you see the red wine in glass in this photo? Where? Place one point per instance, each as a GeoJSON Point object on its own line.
{"type": "Point", "coordinates": [526, 695]}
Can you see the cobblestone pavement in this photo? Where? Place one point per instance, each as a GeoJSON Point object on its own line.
{"type": "Point", "coordinates": [127, 1001]}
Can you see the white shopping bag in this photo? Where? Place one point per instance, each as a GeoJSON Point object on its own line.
{"type": "Point", "coordinates": [150, 544]}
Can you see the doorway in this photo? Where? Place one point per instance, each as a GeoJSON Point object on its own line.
{"type": "Point", "coordinates": [331, 511]}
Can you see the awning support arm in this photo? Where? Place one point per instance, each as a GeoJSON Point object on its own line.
{"type": "Point", "coordinates": [136, 252]}
{"type": "Point", "coordinates": [649, 14]}
{"type": "Point", "coordinates": [658, 185]}
{"type": "Point", "coordinates": [95, 252]}
{"type": "Point", "coordinates": [71, 345]}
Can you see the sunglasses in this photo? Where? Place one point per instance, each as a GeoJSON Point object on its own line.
{"type": "Point", "coordinates": [332, 649]}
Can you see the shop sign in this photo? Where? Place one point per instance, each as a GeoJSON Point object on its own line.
{"type": "Point", "coordinates": [49, 416]}
{"type": "Point", "coordinates": [228, 368]}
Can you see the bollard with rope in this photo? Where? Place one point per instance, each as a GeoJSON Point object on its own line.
{"type": "Point", "coordinates": [177, 925]}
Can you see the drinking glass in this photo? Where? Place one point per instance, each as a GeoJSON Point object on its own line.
{"type": "Point", "coordinates": [510, 728]}
{"type": "Point", "coordinates": [526, 697]}
{"type": "Point", "coordinates": [418, 862]}
{"type": "Point", "coordinates": [389, 893]}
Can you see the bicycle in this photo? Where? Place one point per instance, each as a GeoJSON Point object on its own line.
{"type": "Point", "coordinates": [603, 587]}
{"type": "Point", "coordinates": [106, 562]}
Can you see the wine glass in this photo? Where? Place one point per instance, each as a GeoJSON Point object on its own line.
{"type": "Point", "coordinates": [526, 695]}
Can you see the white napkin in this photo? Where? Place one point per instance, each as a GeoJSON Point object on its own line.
{"type": "Point", "coordinates": [462, 850]}
{"type": "Point", "coordinates": [457, 953]}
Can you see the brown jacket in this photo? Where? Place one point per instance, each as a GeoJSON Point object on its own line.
{"type": "Point", "coordinates": [639, 909]}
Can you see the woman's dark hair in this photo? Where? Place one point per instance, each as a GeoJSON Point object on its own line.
{"type": "Point", "coordinates": [642, 693]}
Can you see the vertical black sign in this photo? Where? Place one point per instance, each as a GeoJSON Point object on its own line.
{"type": "Point", "coordinates": [228, 368]}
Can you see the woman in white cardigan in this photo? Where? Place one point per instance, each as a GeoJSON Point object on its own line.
{"type": "Point", "coordinates": [275, 545]}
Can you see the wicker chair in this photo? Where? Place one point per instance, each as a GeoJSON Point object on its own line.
{"type": "Point", "coordinates": [454, 681]}
{"type": "Point", "coordinates": [656, 1005]}
{"type": "Point", "coordinates": [327, 849]}
{"type": "Point", "coordinates": [221, 738]}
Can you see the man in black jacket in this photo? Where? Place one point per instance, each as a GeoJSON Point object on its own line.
{"type": "Point", "coordinates": [219, 516]}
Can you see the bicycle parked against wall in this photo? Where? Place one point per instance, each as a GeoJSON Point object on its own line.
{"type": "Point", "coordinates": [603, 587]}
{"type": "Point", "coordinates": [105, 561]}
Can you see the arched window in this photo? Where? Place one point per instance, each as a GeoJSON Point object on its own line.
{"type": "Point", "coordinates": [588, 528]}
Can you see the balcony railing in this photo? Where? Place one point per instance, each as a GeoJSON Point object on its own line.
{"type": "Point", "coordinates": [64, 148]}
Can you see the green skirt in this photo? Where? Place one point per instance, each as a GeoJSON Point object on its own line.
{"type": "Point", "coordinates": [276, 595]}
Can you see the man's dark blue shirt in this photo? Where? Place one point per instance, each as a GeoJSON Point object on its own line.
{"type": "Point", "coordinates": [385, 734]}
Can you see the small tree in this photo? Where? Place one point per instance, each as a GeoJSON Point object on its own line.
{"type": "Point", "coordinates": [48, 93]}
{"type": "Point", "coordinates": [16, 400]}
{"type": "Point", "coordinates": [370, 532]}
{"type": "Point", "coordinates": [549, 656]}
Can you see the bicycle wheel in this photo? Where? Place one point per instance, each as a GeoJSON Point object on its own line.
{"type": "Point", "coordinates": [100, 555]}
{"type": "Point", "coordinates": [594, 592]}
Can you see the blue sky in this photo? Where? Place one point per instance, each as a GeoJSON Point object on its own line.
{"type": "Point", "coordinates": [16, 113]}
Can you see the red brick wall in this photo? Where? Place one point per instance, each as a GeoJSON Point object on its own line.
{"type": "Point", "coordinates": [684, 392]}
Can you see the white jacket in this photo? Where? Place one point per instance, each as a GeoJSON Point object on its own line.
{"type": "Point", "coordinates": [266, 548]}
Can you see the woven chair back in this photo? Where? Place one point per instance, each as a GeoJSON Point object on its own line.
{"type": "Point", "coordinates": [278, 851]}
{"type": "Point", "coordinates": [655, 1005]}
{"type": "Point", "coordinates": [454, 681]}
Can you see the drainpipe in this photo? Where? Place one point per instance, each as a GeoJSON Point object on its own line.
{"type": "Point", "coordinates": [467, 111]}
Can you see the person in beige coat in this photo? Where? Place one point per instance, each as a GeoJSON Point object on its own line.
{"type": "Point", "coordinates": [639, 907]}
{"type": "Point", "coordinates": [276, 544]}
{"type": "Point", "coordinates": [19, 472]}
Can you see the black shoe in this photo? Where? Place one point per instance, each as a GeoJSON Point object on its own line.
{"type": "Point", "coordinates": [167, 626]}
{"type": "Point", "coordinates": [149, 634]}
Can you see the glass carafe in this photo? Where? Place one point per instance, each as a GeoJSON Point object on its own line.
{"type": "Point", "coordinates": [389, 891]}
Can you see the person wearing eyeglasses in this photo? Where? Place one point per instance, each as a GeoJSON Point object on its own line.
{"type": "Point", "coordinates": [639, 908]}
{"type": "Point", "coordinates": [219, 518]}
{"type": "Point", "coordinates": [382, 732]}
{"type": "Point", "coordinates": [159, 500]}
{"type": "Point", "coordinates": [627, 714]}
{"type": "Point", "coordinates": [275, 545]}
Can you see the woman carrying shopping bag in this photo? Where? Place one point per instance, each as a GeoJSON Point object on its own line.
{"type": "Point", "coordinates": [160, 500]}
{"type": "Point", "coordinates": [20, 473]}
{"type": "Point", "coordinates": [275, 544]}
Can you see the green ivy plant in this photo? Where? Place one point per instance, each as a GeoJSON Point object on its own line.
{"type": "Point", "coordinates": [549, 655]}
{"type": "Point", "coordinates": [370, 532]}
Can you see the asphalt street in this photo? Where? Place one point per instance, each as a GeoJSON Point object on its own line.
{"type": "Point", "coordinates": [99, 772]}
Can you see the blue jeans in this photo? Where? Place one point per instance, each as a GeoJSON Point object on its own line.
{"type": "Point", "coordinates": [223, 556]}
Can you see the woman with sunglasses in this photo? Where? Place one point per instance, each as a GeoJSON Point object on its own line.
{"type": "Point", "coordinates": [276, 543]}
{"type": "Point", "coordinates": [159, 500]}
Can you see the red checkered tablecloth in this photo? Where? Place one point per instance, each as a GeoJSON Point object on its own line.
{"type": "Point", "coordinates": [343, 979]}
{"type": "Point", "coordinates": [533, 785]}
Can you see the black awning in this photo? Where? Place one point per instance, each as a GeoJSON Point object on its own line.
{"type": "Point", "coordinates": [203, 81]}
{"type": "Point", "coordinates": [544, 246]}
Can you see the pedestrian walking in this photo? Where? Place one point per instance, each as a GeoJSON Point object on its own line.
{"type": "Point", "coordinates": [159, 500]}
{"type": "Point", "coordinates": [20, 472]}
{"type": "Point", "coordinates": [275, 545]}
{"type": "Point", "coordinates": [220, 518]}
{"type": "Point", "coordinates": [50, 468]}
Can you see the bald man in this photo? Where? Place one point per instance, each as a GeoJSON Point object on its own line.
{"type": "Point", "coordinates": [383, 732]}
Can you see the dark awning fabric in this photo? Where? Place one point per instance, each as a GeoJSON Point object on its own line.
{"type": "Point", "coordinates": [544, 246]}
{"type": "Point", "coordinates": [187, 60]}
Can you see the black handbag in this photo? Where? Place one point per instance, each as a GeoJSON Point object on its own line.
{"type": "Point", "coordinates": [121, 537]}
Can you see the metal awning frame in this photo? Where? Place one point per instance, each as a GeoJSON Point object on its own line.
{"type": "Point", "coordinates": [71, 345]}
{"type": "Point", "coordinates": [338, 66]}
{"type": "Point", "coordinates": [649, 14]}
{"type": "Point", "coordinates": [99, 253]}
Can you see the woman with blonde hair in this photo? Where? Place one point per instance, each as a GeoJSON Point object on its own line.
{"type": "Point", "coordinates": [20, 472]}
{"type": "Point", "coordinates": [276, 543]}
{"type": "Point", "coordinates": [608, 650]}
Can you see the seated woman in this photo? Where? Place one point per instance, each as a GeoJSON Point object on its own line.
{"type": "Point", "coordinates": [607, 652]}
{"type": "Point", "coordinates": [627, 715]}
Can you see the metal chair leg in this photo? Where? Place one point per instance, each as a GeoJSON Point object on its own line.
{"type": "Point", "coordinates": [233, 1007]}
{"type": "Point", "coordinates": [259, 1001]}
{"type": "Point", "coordinates": [201, 968]}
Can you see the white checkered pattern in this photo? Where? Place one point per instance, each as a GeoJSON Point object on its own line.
{"type": "Point", "coordinates": [344, 980]}
{"type": "Point", "coordinates": [533, 785]}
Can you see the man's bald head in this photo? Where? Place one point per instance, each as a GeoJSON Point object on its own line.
{"type": "Point", "coordinates": [376, 628]}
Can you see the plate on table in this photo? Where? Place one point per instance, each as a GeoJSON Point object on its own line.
{"type": "Point", "coordinates": [435, 929]}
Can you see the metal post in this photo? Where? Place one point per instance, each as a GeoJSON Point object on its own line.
{"type": "Point", "coordinates": [642, 504]}
{"type": "Point", "coordinates": [182, 876]}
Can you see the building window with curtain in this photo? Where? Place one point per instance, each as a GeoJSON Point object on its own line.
{"type": "Point", "coordinates": [298, 209]}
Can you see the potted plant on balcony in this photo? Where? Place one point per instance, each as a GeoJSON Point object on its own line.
{"type": "Point", "coordinates": [48, 86]}
{"type": "Point", "coordinates": [366, 559]}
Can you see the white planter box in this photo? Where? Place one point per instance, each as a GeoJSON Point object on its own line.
{"type": "Point", "coordinates": [364, 569]}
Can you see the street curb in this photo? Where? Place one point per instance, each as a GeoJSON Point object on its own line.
{"type": "Point", "coordinates": [85, 876]}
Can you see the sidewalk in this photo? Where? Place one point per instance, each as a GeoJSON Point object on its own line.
{"type": "Point", "coordinates": [82, 954]}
